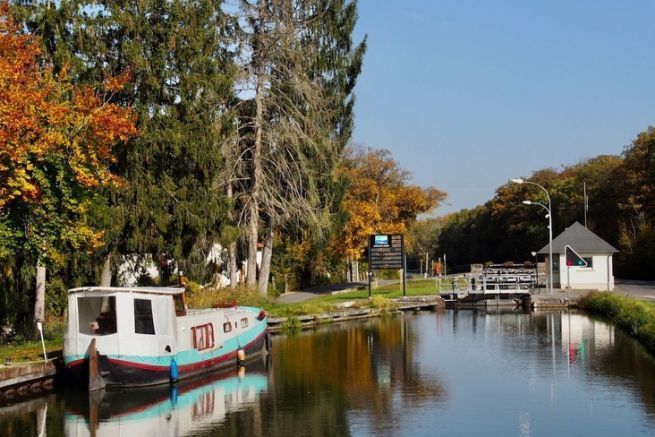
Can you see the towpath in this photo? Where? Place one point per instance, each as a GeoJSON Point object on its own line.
{"type": "Point", "coordinates": [643, 290]}
{"type": "Point", "coordinates": [318, 290]}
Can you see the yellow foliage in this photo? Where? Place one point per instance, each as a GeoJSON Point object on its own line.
{"type": "Point", "coordinates": [378, 200]}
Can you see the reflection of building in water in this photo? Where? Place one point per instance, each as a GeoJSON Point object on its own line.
{"type": "Point", "coordinates": [186, 410]}
{"type": "Point", "coordinates": [578, 329]}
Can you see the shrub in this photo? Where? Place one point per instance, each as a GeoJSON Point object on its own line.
{"type": "Point", "coordinates": [637, 318]}
{"type": "Point", "coordinates": [291, 325]}
{"type": "Point", "coordinates": [198, 297]}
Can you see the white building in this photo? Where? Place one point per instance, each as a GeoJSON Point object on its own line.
{"type": "Point", "coordinates": [599, 273]}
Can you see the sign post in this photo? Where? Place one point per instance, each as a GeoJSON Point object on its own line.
{"type": "Point", "coordinates": [386, 251]}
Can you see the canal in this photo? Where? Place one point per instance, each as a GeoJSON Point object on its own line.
{"type": "Point", "coordinates": [451, 373]}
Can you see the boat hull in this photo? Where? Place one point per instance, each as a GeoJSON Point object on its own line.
{"type": "Point", "coordinates": [126, 372]}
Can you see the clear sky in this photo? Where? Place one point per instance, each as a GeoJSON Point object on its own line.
{"type": "Point", "coordinates": [469, 94]}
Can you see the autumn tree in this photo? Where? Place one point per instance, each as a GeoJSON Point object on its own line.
{"type": "Point", "coordinates": [379, 199]}
{"type": "Point", "coordinates": [56, 143]}
{"type": "Point", "coordinates": [172, 205]}
{"type": "Point", "coordinates": [503, 229]}
{"type": "Point", "coordinates": [633, 193]}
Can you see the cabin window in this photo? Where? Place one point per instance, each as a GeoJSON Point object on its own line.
{"type": "Point", "coordinates": [97, 315]}
{"type": "Point", "coordinates": [203, 336]}
{"type": "Point", "coordinates": [244, 322]}
{"type": "Point", "coordinates": [143, 323]}
{"type": "Point", "coordinates": [227, 327]}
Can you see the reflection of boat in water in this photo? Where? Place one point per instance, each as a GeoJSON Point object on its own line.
{"type": "Point", "coordinates": [125, 337]}
{"type": "Point", "coordinates": [182, 409]}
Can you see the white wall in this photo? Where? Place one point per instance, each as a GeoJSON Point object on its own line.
{"type": "Point", "coordinates": [599, 277]}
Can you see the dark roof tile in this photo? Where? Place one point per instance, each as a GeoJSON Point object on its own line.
{"type": "Point", "coordinates": [581, 239]}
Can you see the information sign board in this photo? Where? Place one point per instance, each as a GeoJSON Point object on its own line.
{"type": "Point", "coordinates": [386, 251]}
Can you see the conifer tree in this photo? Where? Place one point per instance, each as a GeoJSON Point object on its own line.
{"type": "Point", "coordinates": [178, 55]}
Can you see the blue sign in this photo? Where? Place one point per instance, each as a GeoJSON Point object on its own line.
{"type": "Point", "coordinates": [381, 240]}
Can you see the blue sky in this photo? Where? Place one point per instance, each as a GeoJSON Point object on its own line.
{"type": "Point", "coordinates": [469, 94]}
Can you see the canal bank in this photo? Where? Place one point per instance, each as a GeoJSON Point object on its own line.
{"type": "Point", "coordinates": [431, 373]}
{"type": "Point", "coordinates": [26, 379]}
{"type": "Point", "coordinates": [21, 379]}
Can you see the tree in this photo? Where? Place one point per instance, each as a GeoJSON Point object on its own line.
{"type": "Point", "coordinates": [635, 202]}
{"type": "Point", "coordinates": [57, 140]}
{"type": "Point", "coordinates": [378, 200]}
{"type": "Point", "coordinates": [302, 76]}
{"type": "Point", "coordinates": [180, 57]}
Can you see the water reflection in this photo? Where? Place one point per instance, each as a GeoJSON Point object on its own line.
{"type": "Point", "coordinates": [184, 409]}
{"type": "Point", "coordinates": [368, 373]}
{"type": "Point", "coordinates": [444, 373]}
{"type": "Point", "coordinates": [560, 370]}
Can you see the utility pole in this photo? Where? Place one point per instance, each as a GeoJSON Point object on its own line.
{"type": "Point", "coordinates": [586, 202]}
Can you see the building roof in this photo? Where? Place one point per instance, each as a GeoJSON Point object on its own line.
{"type": "Point", "coordinates": [581, 239]}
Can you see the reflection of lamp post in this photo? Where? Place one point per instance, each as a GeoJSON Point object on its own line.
{"type": "Point", "coordinates": [550, 228]}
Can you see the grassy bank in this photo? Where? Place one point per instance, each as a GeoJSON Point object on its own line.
{"type": "Point", "coordinates": [635, 317]}
{"type": "Point", "coordinates": [20, 350]}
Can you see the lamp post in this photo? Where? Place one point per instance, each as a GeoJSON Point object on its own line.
{"type": "Point", "coordinates": [536, 269]}
{"type": "Point", "coordinates": [550, 228]}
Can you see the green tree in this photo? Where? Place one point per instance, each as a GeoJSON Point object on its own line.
{"type": "Point", "coordinates": [182, 82]}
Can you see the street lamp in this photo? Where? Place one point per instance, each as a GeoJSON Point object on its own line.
{"type": "Point", "coordinates": [550, 227]}
{"type": "Point", "coordinates": [536, 269]}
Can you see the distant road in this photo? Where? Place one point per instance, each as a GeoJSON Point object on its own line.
{"type": "Point", "coordinates": [644, 290]}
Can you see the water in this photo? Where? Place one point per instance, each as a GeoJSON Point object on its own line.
{"type": "Point", "coordinates": [466, 373]}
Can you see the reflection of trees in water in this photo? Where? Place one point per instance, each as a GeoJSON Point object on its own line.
{"type": "Point", "coordinates": [323, 378]}
{"type": "Point", "coordinates": [627, 361]}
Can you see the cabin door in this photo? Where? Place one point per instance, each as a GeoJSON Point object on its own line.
{"type": "Point", "coordinates": [165, 321]}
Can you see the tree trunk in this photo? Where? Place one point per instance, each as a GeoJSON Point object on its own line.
{"type": "Point", "coordinates": [105, 276]}
{"type": "Point", "coordinates": [265, 270]}
{"type": "Point", "coordinates": [251, 271]}
{"type": "Point", "coordinates": [39, 301]}
{"type": "Point", "coordinates": [234, 274]}
{"type": "Point", "coordinates": [234, 277]}
{"type": "Point", "coordinates": [257, 175]}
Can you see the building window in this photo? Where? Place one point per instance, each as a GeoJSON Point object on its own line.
{"type": "Point", "coordinates": [143, 323]}
{"type": "Point", "coordinates": [589, 261]}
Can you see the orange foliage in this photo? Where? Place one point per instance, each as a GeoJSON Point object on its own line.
{"type": "Point", "coordinates": [379, 200]}
{"type": "Point", "coordinates": [43, 116]}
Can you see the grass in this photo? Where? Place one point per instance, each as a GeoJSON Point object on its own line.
{"type": "Point", "coordinates": [635, 317]}
{"type": "Point", "coordinates": [20, 350]}
{"type": "Point", "coordinates": [29, 351]}
{"type": "Point", "coordinates": [418, 287]}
